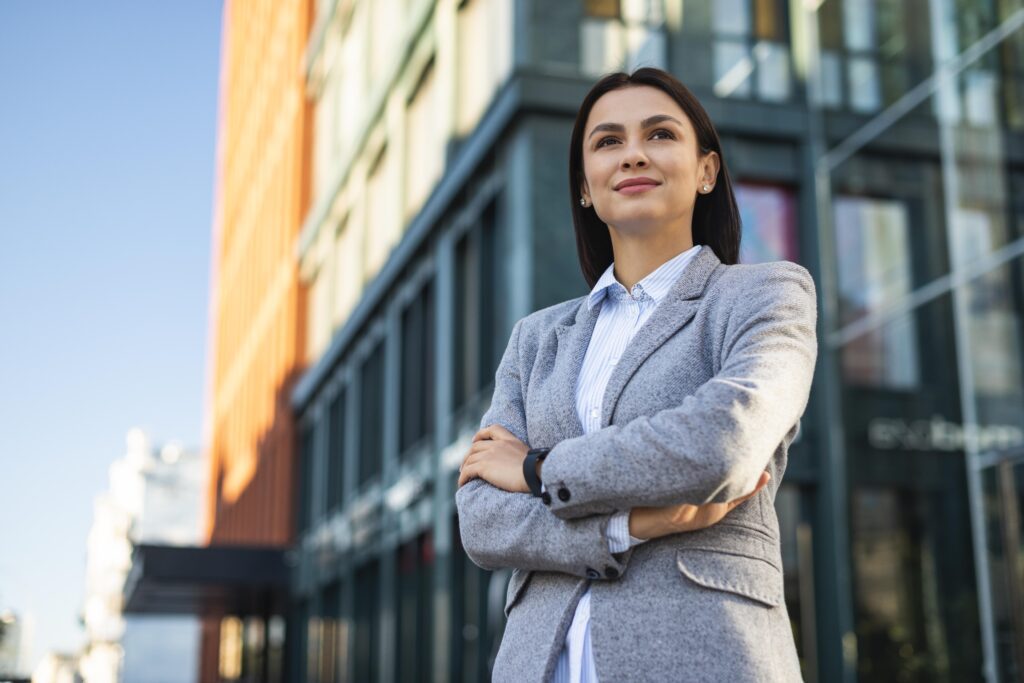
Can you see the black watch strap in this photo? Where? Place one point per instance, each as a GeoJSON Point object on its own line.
{"type": "Point", "coordinates": [534, 456]}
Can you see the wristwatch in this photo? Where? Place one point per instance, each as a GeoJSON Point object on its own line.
{"type": "Point", "coordinates": [534, 456]}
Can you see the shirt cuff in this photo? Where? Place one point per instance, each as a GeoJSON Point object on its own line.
{"type": "Point", "coordinates": [619, 538]}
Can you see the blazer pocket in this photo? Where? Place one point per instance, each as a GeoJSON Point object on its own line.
{"type": "Point", "coordinates": [746, 575]}
{"type": "Point", "coordinates": [516, 584]}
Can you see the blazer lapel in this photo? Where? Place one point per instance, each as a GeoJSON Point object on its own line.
{"type": "Point", "coordinates": [573, 340]}
{"type": "Point", "coordinates": [675, 310]}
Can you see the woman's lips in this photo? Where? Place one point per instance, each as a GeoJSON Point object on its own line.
{"type": "Point", "coordinates": [637, 189]}
{"type": "Point", "coordinates": [636, 185]}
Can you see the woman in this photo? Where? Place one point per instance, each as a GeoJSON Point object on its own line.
{"type": "Point", "coordinates": [629, 461]}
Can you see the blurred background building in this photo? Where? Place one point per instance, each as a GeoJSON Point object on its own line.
{"type": "Point", "coordinates": [13, 645]}
{"type": "Point", "coordinates": [392, 198]}
{"type": "Point", "coordinates": [57, 668]}
{"type": "Point", "coordinates": [154, 497]}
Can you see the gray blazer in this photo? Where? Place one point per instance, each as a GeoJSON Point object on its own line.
{"type": "Point", "coordinates": [707, 395]}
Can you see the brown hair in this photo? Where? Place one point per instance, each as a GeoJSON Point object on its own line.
{"type": "Point", "coordinates": [716, 219]}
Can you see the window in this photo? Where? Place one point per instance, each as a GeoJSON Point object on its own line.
{"type": "Point", "coordinates": [366, 623]}
{"type": "Point", "coordinates": [414, 595]}
{"type": "Point", "coordinates": [750, 56]}
{"type": "Point", "coordinates": [305, 501]}
{"type": "Point", "coordinates": [875, 270]}
{"type": "Point", "coordinates": [477, 617]}
{"type": "Point", "coordinates": [869, 55]}
{"type": "Point", "coordinates": [333, 654]}
{"type": "Point", "coordinates": [336, 452]}
{"type": "Point", "coordinates": [383, 225]}
{"type": "Point", "coordinates": [484, 57]}
{"type": "Point", "coordinates": [348, 269]}
{"type": "Point", "coordinates": [622, 35]}
{"type": "Point", "coordinates": [477, 344]}
{"type": "Point", "coordinates": [371, 425]}
{"type": "Point", "coordinates": [417, 373]}
{"type": "Point", "coordinates": [425, 142]}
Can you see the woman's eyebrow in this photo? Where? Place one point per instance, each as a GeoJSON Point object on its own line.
{"type": "Point", "coordinates": [658, 118]}
{"type": "Point", "coordinates": [646, 123]}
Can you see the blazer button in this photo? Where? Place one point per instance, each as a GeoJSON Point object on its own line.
{"type": "Point", "coordinates": [611, 572]}
{"type": "Point", "coordinates": [546, 498]}
{"type": "Point", "coordinates": [563, 494]}
{"type": "Point", "coordinates": [593, 573]}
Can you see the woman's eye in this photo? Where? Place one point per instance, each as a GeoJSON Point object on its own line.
{"type": "Point", "coordinates": [600, 143]}
{"type": "Point", "coordinates": [663, 132]}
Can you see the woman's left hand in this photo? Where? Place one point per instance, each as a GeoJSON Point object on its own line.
{"type": "Point", "coordinates": [496, 456]}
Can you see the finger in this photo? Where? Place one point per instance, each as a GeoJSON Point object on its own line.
{"type": "Point", "coordinates": [466, 475]}
{"type": "Point", "coordinates": [496, 432]}
{"type": "Point", "coordinates": [475, 449]}
{"type": "Point", "coordinates": [471, 458]}
{"type": "Point", "coordinates": [761, 482]}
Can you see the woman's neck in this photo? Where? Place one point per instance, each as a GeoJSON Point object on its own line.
{"type": "Point", "coordinates": [637, 256]}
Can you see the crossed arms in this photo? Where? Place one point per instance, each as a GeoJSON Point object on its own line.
{"type": "Point", "coordinates": [711, 448]}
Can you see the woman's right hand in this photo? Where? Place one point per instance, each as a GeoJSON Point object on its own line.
{"type": "Point", "coordinates": [653, 522]}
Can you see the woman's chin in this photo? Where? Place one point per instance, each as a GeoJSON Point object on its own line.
{"type": "Point", "coordinates": [640, 221]}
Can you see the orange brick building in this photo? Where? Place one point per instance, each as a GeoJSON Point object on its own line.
{"type": "Point", "coordinates": [257, 304]}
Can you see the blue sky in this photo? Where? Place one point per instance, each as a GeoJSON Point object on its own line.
{"type": "Point", "coordinates": [107, 136]}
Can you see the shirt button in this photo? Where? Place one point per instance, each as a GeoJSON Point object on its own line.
{"type": "Point", "coordinates": [611, 572]}
{"type": "Point", "coordinates": [593, 573]}
{"type": "Point", "coordinates": [594, 412]}
{"type": "Point", "coordinates": [546, 498]}
{"type": "Point", "coordinates": [613, 361]}
{"type": "Point", "coordinates": [563, 494]}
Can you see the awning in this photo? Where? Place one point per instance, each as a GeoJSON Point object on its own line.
{"type": "Point", "coordinates": [234, 580]}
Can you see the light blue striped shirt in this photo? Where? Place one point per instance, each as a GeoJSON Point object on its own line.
{"type": "Point", "coordinates": [622, 314]}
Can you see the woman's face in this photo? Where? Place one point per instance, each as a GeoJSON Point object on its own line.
{"type": "Point", "coordinates": [641, 161]}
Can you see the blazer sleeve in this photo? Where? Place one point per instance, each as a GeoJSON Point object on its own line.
{"type": "Point", "coordinates": [503, 529]}
{"type": "Point", "coordinates": [713, 446]}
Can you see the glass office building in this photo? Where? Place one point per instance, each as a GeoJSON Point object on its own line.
{"type": "Point", "coordinates": [877, 142]}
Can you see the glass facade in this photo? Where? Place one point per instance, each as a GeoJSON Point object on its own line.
{"type": "Point", "coordinates": [915, 114]}
{"type": "Point", "coordinates": [876, 142]}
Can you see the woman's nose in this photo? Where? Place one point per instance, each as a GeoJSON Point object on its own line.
{"type": "Point", "coordinates": [633, 156]}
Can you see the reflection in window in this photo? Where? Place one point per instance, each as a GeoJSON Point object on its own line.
{"type": "Point", "coordinates": [371, 424]}
{"type": "Point", "coordinates": [1004, 516]}
{"type": "Point", "coordinates": [914, 601]}
{"type": "Point", "coordinates": [417, 373]}
{"type": "Point", "coordinates": [995, 328]}
{"type": "Point", "coordinates": [750, 56]}
{"type": "Point", "coordinates": [768, 215]}
{"type": "Point", "coordinates": [874, 271]}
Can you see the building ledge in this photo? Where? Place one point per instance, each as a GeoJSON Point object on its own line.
{"type": "Point", "coordinates": [236, 580]}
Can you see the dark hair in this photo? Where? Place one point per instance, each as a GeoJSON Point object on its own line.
{"type": "Point", "coordinates": [716, 220]}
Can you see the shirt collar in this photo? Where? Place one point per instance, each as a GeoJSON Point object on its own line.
{"type": "Point", "coordinates": [656, 284]}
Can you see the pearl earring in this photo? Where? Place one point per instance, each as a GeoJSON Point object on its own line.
{"type": "Point", "coordinates": [583, 201]}
{"type": "Point", "coordinates": [706, 188]}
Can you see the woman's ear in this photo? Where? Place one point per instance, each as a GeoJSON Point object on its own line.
{"type": "Point", "coordinates": [709, 167]}
{"type": "Point", "coordinates": [585, 192]}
